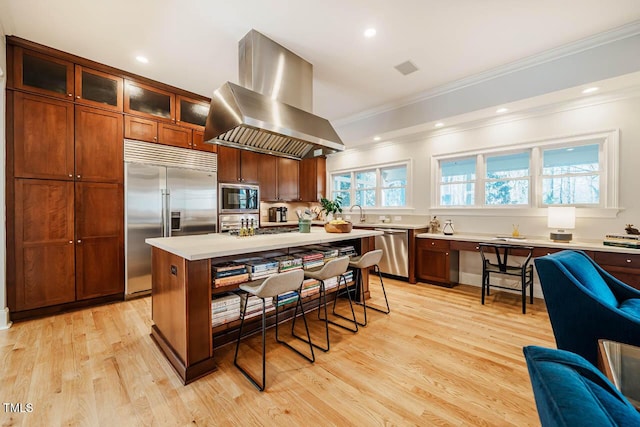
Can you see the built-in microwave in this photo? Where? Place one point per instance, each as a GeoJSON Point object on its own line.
{"type": "Point", "coordinates": [239, 198]}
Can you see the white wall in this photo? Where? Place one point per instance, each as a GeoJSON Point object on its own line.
{"type": "Point", "coordinates": [619, 114]}
{"type": "Point", "coordinates": [4, 311]}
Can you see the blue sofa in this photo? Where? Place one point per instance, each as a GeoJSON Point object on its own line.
{"type": "Point", "coordinates": [585, 303]}
{"type": "Point", "coordinates": [569, 391]}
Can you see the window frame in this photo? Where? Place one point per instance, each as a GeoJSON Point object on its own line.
{"type": "Point", "coordinates": [378, 188]}
{"type": "Point", "coordinates": [608, 156]}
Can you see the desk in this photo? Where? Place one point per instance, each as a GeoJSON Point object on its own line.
{"type": "Point", "coordinates": [621, 364]}
{"type": "Point", "coordinates": [437, 256]}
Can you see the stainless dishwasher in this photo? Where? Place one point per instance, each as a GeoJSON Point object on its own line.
{"type": "Point", "coordinates": [395, 247]}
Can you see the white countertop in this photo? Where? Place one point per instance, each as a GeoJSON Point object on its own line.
{"type": "Point", "coordinates": [390, 225]}
{"type": "Point", "coordinates": [206, 246]}
{"type": "Point", "coordinates": [533, 241]}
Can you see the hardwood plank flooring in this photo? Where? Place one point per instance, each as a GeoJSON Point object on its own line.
{"type": "Point", "coordinates": [439, 358]}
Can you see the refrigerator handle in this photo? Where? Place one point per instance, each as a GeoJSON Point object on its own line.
{"type": "Point", "coordinates": [166, 217]}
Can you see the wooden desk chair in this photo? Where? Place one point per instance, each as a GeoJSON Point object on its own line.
{"type": "Point", "coordinates": [495, 260]}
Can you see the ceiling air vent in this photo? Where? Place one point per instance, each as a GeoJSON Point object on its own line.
{"type": "Point", "coordinates": [406, 68]}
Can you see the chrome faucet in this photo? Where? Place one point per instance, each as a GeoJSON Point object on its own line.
{"type": "Point", "coordinates": [362, 217]}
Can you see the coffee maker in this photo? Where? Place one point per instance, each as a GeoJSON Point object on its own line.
{"type": "Point", "coordinates": [278, 214]}
{"type": "Point", "coordinates": [283, 214]}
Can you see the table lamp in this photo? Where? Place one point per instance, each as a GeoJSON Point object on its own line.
{"type": "Point", "coordinates": [561, 218]}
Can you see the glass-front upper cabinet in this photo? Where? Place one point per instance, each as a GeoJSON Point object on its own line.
{"type": "Point", "coordinates": [148, 101]}
{"type": "Point", "coordinates": [99, 89]}
{"type": "Point", "coordinates": [191, 113]}
{"type": "Point", "coordinates": [43, 74]}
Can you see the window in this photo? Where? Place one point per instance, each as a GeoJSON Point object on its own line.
{"type": "Point", "coordinates": [507, 179]}
{"type": "Point", "coordinates": [571, 175]}
{"type": "Point", "coordinates": [457, 182]}
{"type": "Point", "coordinates": [578, 171]}
{"type": "Point", "coordinates": [379, 187]}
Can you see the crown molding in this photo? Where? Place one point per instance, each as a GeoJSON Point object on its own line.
{"type": "Point", "coordinates": [600, 39]}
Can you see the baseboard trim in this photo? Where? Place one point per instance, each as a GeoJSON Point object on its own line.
{"type": "Point", "coordinates": [5, 322]}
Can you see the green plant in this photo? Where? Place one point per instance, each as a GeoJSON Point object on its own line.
{"type": "Point", "coordinates": [331, 206]}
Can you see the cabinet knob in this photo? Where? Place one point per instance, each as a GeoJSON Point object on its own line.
{"type": "Point", "coordinates": [70, 241]}
{"type": "Point", "coordinates": [78, 96]}
{"type": "Point", "coordinates": [70, 175]}
{"type": "Point", "coordinates": [628, 260]}
{"type": "Point", "coordinates": [78, 176]}
{"type": "Point", "coordinates": [446, 253]}
{"type": "Point", "coordinates": [477, 247]}
{"type": "Point", "coordinates": [70, 94]}
{"type": "Point", "coordinates": [433, 243]}
{"type": "Point", "coordinates": [155, 138]}
{"type": "Point", "coordinates": [79, 241]}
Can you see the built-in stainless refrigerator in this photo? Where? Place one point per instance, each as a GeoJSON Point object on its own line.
{"type": "Point", "coordinates": [169, 192]}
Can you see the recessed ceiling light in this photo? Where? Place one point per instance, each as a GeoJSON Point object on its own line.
{"type": "Point", "coordinates": [590, 90]}
{"type": "Point", "coordinates": [370, 32]}
{"type": "Point", "coordinates": [502, 110]}
{"type": "Point", "coordinates": [439, 124]}
{"type": "Point", "coordinates": [376, 138]}
{"type": "Point", "coordinates": [142, 59]}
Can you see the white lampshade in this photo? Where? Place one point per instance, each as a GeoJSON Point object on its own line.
{"type": "Point", "coordinates": [562, 217]}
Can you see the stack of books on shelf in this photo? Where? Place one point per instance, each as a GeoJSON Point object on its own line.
{"type": "Point", "coordinates": [310, 287]}
{"type": "Point", "coordinates": [328, 253]}
{"type": "Point", "coordinates": [312, 259]}
{"type": "Point", "coordinates": [254, 305]}
{"type": "Point", "coordinates": [622, 240]}
{"type": "Point", "coordinates": [225, 308]}
{"type": "Point", "coordinates": [288, 262]}
{"type": "Point", "coordinates": [333, 282]}
{"type": "Point", "coordinates": [346, 250]}
{"type": "Point", "coordinates": [229, 273]}
{"type": "Point", "coordinates": [286, 298]}
{"type": "Point", "coordinates": [260, 268]}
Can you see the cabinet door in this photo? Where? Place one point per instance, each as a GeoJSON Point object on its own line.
{"type": "Point", "coordinates": [43, 74]}
{"type": "Point", "coordinates": [99, 145]}
{"type": "Point", "coordinates": [140, 129]}
{"type": "Point", "coordinates": [191, 113]}
{"type": "Point", "coordinates": [312, 179]}
{"type": "Point", "coordinates": [198, 143]}
{"type": "Point", "coordinates": [287, 179]}
{"type": "Point", "coordinates": [43, 137]}
{"type": "Point", "coordinates": [174, 135]}
{"type": "Point", "coordinates": [44, 249]}
{"type": "Point", "coordinates": [99, 89]}
{"type": "Point", "coordinates": [100, 239]}
{"type": "Point", "coordinates": [433, 260]}
{"type": "Point", "coordinates": [268, 177]}
{"type": "Point", "coordinates": [148, 101]}
{"type": "Point", "coordinates": [228, 164]}
{"type": "Point", "coordinates": [249, 161]}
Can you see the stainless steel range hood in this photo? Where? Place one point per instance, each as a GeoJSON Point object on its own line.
{"type": "Point", "coordinates": [269, 111]}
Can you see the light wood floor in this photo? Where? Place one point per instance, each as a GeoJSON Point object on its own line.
{"type": "Point", "coordinates": [439, 358]}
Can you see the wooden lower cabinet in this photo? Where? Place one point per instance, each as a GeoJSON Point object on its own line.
{"type": "Point", "coordinates": [69, 242]}
{"type": "Point", "coordinates": [436, 262]}
{"type": "Point", "coordinates": [625, 267]}
{"type": "Point", "coordinates": [44, 249]}
{"type": "Point", "coordinates": [99, 240]}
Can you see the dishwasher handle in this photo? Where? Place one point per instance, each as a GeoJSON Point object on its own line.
{"type": "Point", "coordinates": [390, 230]}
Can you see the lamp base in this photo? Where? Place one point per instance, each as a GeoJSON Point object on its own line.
{"type": "Point", "coordinates": [560, 236]}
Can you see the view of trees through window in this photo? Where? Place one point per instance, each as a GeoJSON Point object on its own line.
{"type": "Point", "coordinates": [571, 175]}
{"type": "Point", "coordinates": [376, 187]}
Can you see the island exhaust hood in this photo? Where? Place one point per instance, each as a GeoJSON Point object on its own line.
{"type": "Point", "coordinates": [269, 112]}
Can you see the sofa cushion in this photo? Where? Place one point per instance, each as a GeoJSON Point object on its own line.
{"type": "Point", "coordinates": [631, 307]}
{"type": "Point", "coordinates": [569, 391]}
{"type": "Point", "coordinates": [583, 270]}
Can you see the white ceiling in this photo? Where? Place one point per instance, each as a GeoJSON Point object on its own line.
{"type": "Point", "coordinates": [192, 44]}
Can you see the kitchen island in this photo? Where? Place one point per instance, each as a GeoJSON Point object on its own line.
{"type": "Point", "coordinates": [182, 288]}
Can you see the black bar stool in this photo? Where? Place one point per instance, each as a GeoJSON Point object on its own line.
{"type": "Point", "coordinates": [368, 260]}
{"type": "Point", "coordinates": [336, 267]}
{"type": "Point", "coordinates": [271, 287]}
{"type": "Point", "coordinates": [501, 266]}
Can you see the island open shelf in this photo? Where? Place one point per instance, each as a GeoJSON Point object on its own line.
{"type": "Point", "coordinates": [182, 290]}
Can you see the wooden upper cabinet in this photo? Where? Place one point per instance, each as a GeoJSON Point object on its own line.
{"type": "Point", "coordinates": [198, 143]}
{"type": "Point", "coordinates": [313, 178]}
{"type": "Point", "coordinates": [35, 72]}
{"type": "Point", "coordinates": [99, 89]}
{"type": "Point", "coordinates": [235, 165]}
{"type": "Point", "coordinates": [249, 161]}
{"type": "Point", "coordinates": [176, 136]}
{"type": "Point", "coordinates": [288, 172]}
{"type": "Point", "coordinates": [268, 177]}
{"type": "Point", "coordinates": [98, 145]}
{"type": "Point", "coordinates": [99, 239]}
{"type": "Point", "coordinates": [191, 113]}
{"type": "Point", "coordinates": [140, 129]}
{"type": "Point", "coordinates": [43, 137]}
{"type": "Point", "coordinates": [44, 249]}
{"type": "Point", "coordinates": [148, 101]}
